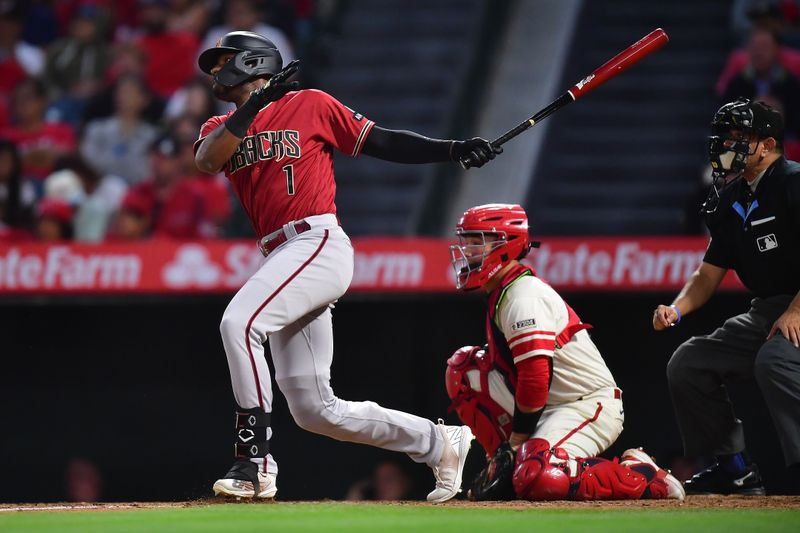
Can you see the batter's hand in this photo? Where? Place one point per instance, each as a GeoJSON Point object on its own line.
{"type": "Point", "coordinates": [663, 317]}
{"type": "Point", "coordinates": [476, 151]}
{"type": "Point", "coordinates": [277, 86]}
{"type": "Point", "coordinates": [789, 325]}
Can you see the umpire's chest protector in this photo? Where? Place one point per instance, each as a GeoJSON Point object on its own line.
{"type": "Point", "coordinates": [760, 231]}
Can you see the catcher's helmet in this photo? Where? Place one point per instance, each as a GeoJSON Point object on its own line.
{"type": "Point", "coordinates": [506, 227]}
{"type": "Point", "coordinates": [256, 56]}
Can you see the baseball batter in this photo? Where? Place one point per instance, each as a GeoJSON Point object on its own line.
{"type": "Point", "coordinates": [277, 150]}
{"type": "Point", "coordinates": [539, 397]}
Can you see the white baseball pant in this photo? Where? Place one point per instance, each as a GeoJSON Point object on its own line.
{"type": "Point", "coordinates": [289, 301]}
{"type": "Point", "coordinates": [584, 428]}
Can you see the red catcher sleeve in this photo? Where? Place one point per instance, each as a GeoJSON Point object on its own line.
{"type": "Point", "coordinates": [337, 124]}
{"type": "Point", "coordinates": [533, 382]}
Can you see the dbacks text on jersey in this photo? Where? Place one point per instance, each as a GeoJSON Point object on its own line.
{"type": "Point", "coordinates": [265, 145]}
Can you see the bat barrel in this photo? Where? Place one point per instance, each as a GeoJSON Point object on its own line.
{"type": "Point", "coordinates": [621, 62]}
{"type": "Point", "coordinates": [617, 64]}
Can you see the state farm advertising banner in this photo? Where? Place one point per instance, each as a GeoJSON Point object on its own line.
{"type": "Point", "coordinates": [387, 265]}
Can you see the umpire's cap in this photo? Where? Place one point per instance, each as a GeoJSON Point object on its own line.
{"type": "Point", "coordinates": [750, 116]}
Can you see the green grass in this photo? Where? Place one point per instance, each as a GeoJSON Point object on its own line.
{"type": "Point", "coordinates": [316, 518]}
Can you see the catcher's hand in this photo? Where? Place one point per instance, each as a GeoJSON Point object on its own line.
{"type": "Point", "coordinates": [277, 86]}
{"type": "Point", "coordinates": [494, 481]}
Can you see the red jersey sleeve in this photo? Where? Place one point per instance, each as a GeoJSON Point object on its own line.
{"type": "Point", "coordinates": [533, 382]}
{"type": "Point", "coordinates": [337, 124]}
{"type": "Point", "coordinates": [209, 126]}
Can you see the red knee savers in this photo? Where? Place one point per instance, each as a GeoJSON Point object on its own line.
{"type": "Point", "coordinates": [535, 478]}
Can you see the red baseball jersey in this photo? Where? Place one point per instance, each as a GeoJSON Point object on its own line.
{"type": "Point", "coordinates": [283, 169]}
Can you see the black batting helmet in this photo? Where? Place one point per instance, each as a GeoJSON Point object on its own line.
{"type": "Point", "coordinates": [256, 56]}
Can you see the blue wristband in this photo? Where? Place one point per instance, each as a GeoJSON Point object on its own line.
{"type": "Point", "coordinates": [675, 307]}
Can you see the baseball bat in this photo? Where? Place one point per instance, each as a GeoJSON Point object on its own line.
{"type": "Point", "coordinates": [617, 64]}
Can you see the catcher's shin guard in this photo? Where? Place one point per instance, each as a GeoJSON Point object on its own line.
{"type": "Point", "coordinates": [661, 483]}
{"type": "Point", "coordinates": [601, 479]}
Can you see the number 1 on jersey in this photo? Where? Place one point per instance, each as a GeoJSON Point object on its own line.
{"type": "Point", "coordinates": [289, 169]}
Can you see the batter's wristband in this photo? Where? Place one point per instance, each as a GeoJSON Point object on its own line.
{"type": "Point", "coordinates": [525, 423]}
{"type": "Point", "coordinates": [675, 307]}
{"type": "Point", "coordinates": [240, 121]}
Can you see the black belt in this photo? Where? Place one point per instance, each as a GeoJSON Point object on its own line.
{"type": "Point", "coordinates": [276, 238]}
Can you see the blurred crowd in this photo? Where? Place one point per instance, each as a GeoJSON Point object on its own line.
{"type": "Point", "coordinates": [766, 66]}
{"type": "Point", "coordinates": [100, 104]}
{"type": "Point", "coordinates": [763, 65]}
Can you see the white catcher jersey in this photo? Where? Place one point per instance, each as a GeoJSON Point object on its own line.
{"type": "Point", "coordinates": [530, 317]}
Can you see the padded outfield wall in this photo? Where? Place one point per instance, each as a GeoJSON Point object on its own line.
{"type": "Point", "coordinates": [138, 385]}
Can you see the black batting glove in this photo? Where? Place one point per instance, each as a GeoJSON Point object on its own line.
{"type": "Point", "coordinates": [277, 86]}
{"type": "Point", "coordinates": [474, 152]}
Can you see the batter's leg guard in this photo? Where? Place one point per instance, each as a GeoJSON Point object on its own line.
{"type": "Point", "coordinates": [244, 478]}
{"type": "Point", "coordinates": [251, 433]}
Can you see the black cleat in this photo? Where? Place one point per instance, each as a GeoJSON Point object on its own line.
{"type": "Point", "coordinates": [715, 480]}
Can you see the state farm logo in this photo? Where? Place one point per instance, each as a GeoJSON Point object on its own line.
{"type": "Point", "coordinates": [626, 263]}
{"type": "Point", "coordinates": [195, 267]}
{"type": "Point", "coordinates": [65, 268]}
{"type": "Point", "coordinates": [192, 266]}
{"type": "Point", "coordinates": [388, 269]}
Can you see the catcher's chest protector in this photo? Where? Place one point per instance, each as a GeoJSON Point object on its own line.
{"type": "Point", "coordinates": [499, 352]}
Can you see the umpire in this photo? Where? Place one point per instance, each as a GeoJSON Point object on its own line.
{"type": "Point", "coordinates": [754, 221]}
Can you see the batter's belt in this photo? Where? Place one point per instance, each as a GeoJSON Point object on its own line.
{"type": "Point", "coordinates": [269, 242]}
{"type": "Point", "coordinates": [294, 228]}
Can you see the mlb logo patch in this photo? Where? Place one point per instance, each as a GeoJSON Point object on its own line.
{"type": "Point", "coordinates": [767, 242]}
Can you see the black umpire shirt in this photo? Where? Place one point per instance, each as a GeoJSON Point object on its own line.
{"type": "Point", "coordinates": [757, 234]}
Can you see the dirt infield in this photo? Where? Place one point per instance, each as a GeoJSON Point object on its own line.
{"type": "Point", "coordinates": [692, 502]}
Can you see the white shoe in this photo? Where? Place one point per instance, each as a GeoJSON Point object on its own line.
{"type": "Point", "coordinates": [448, 472]}
{"type": "Point", "coordinates": [674, 487]}
{"type": "Point", "coordinates": [238, 482]}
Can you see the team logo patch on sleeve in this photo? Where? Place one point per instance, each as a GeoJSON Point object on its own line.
{"type": "Point", "coordinates": [529, 323]}
{"type": "Point", "coordinates": [356, 115]}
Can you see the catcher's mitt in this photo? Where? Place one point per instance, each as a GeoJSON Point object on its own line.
{"type": "Point", "coordinates": [494, 482]}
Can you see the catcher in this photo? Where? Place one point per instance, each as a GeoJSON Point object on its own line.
{"type": "Point", "coordinates": [539, 396]}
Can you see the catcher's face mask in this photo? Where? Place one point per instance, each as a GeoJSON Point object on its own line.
{"type": "Point", "coordinates": [474, 259]}
{"type": "Point", "coordinates": [728, 152]}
